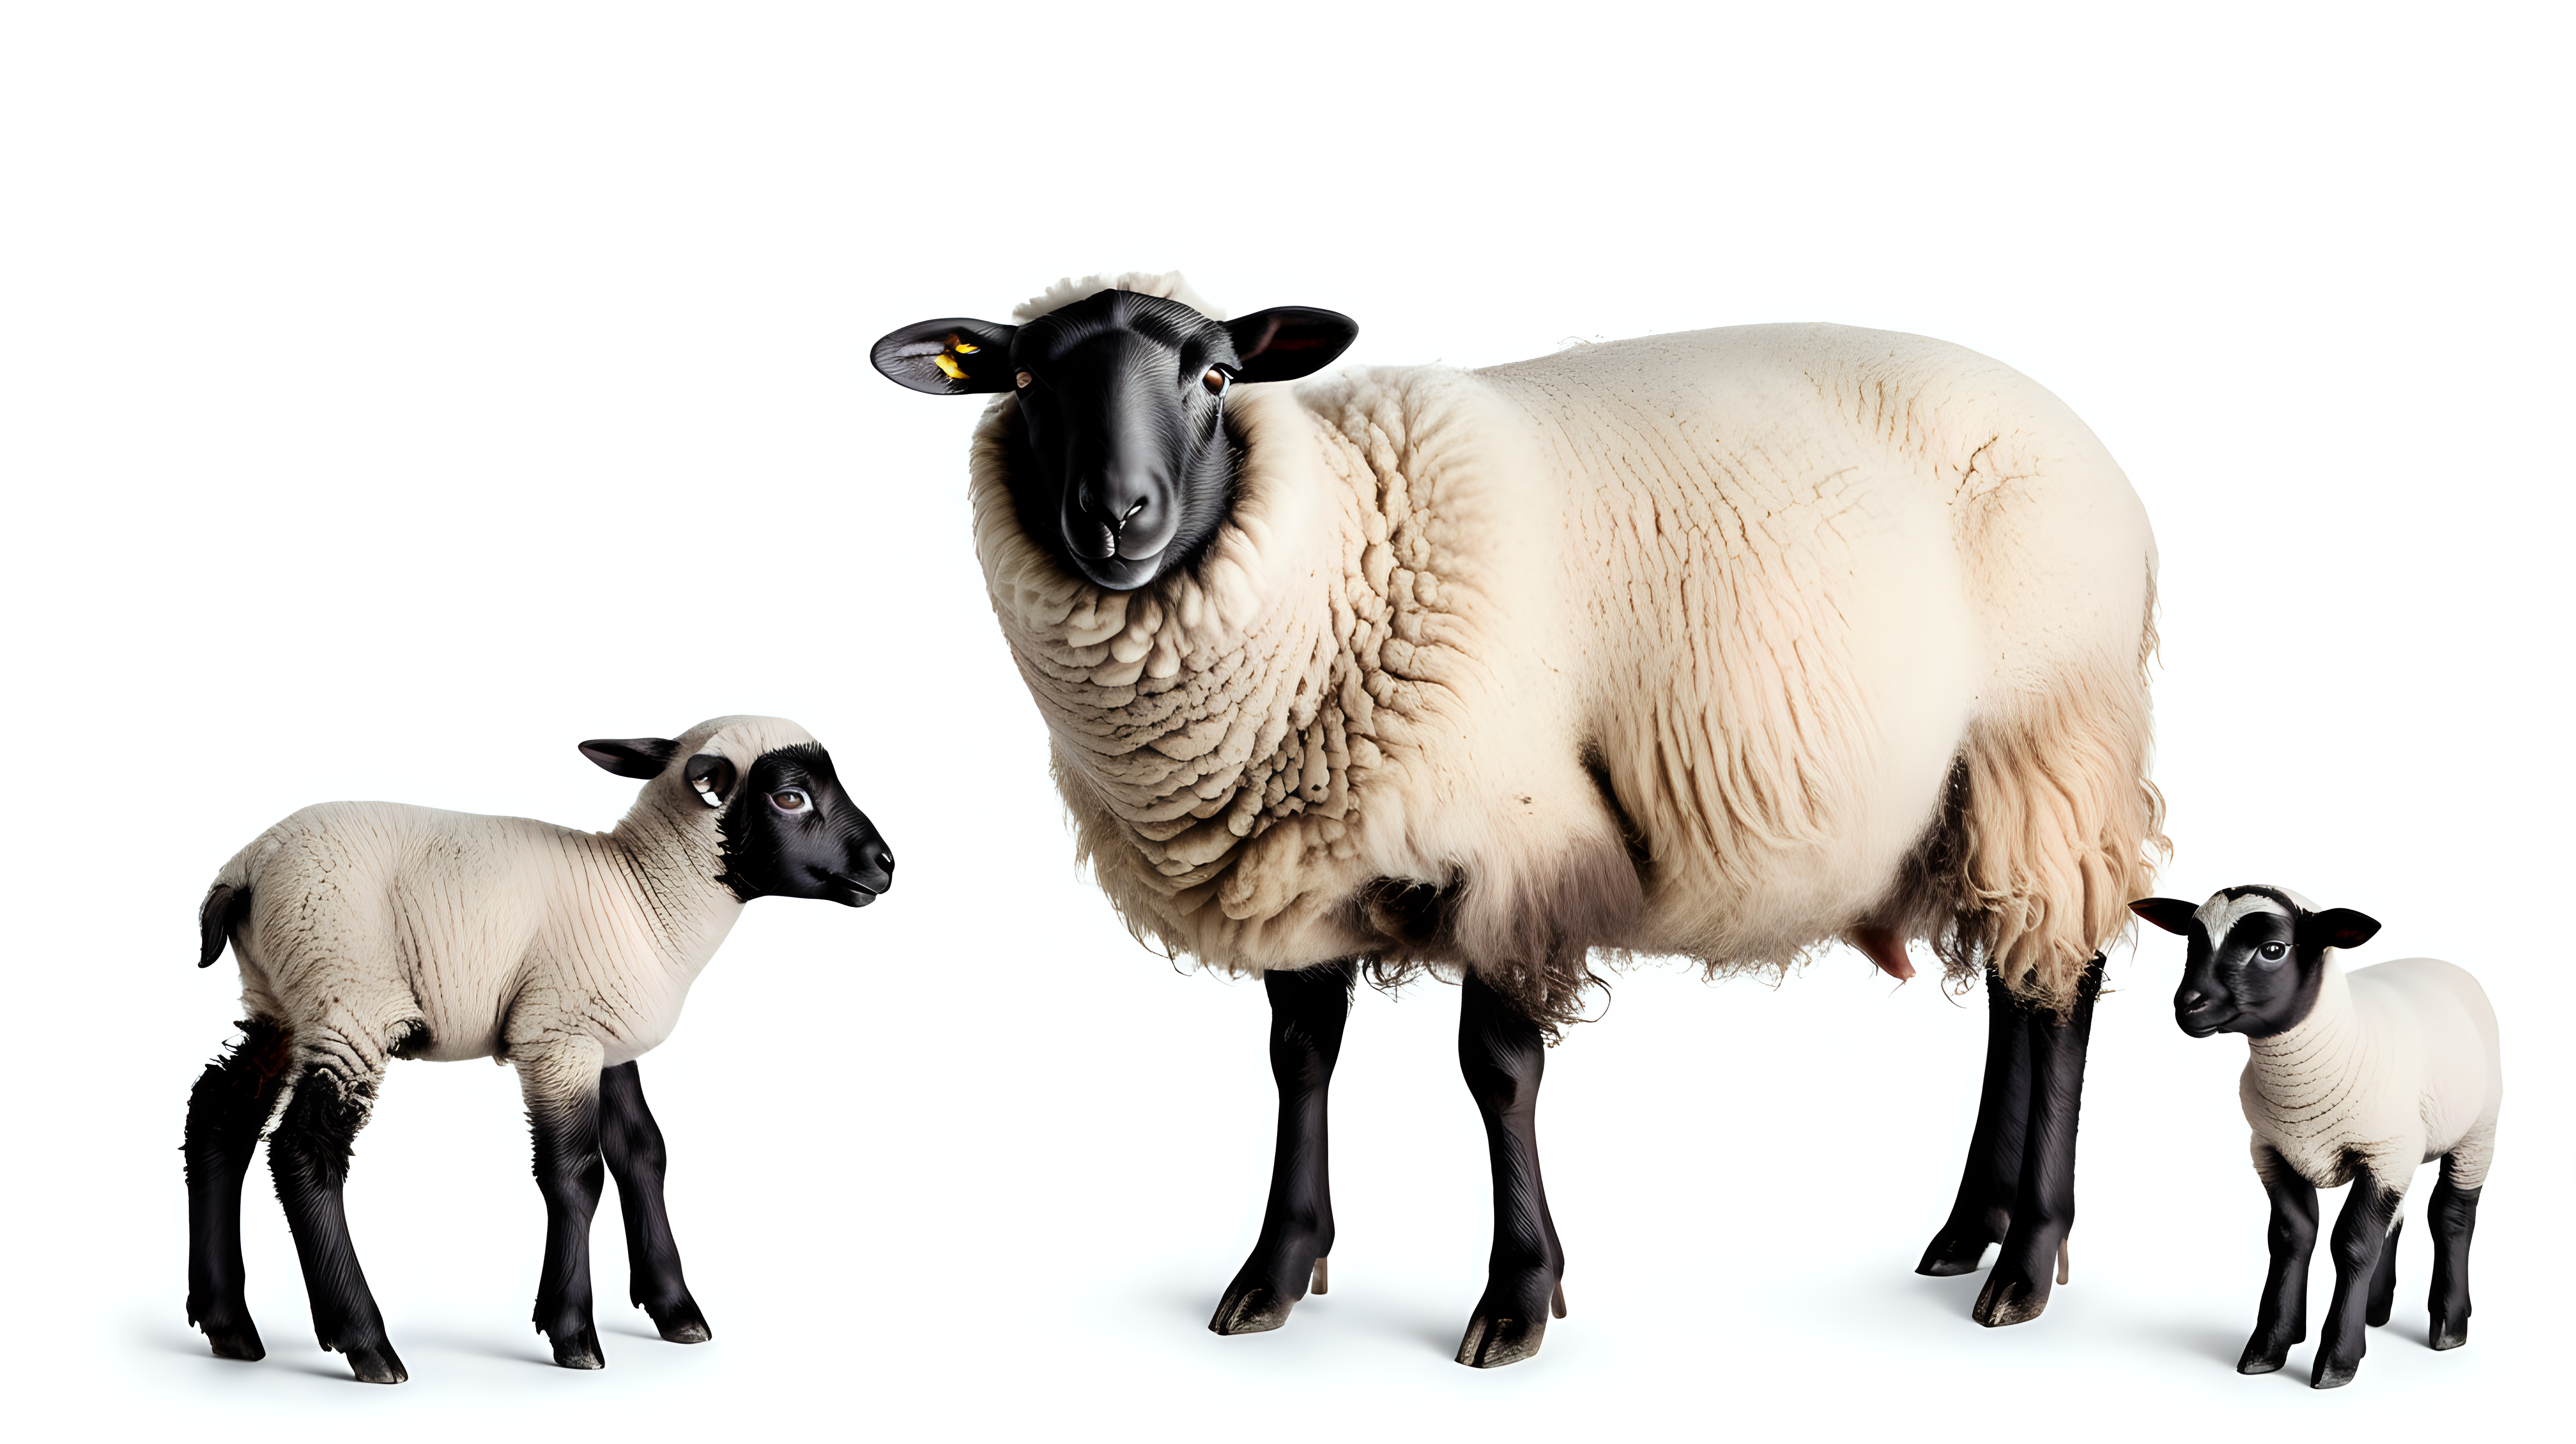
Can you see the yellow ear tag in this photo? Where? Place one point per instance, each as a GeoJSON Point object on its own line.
{"type": "Point", "coordinates": [948, 366]}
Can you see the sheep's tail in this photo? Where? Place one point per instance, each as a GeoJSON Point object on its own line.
{"type": "Point", "coordinates": [226, 908]}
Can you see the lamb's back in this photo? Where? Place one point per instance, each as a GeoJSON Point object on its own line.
{"type": "Point", "coordinates": [2436, 1013]}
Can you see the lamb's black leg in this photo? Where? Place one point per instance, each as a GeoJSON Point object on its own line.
{"type": "Point", "coordinates": [231, 1103]}
{"type": "Point", "coordinates": [632, 1143]}
{"type": "Point", "coordinates": [2281, 1320]}
{"type": "Point", "coordinates": [2044, 1201]}
{"type": "Point", "coordinates": [2383, 1279]}
{"type": "Point", "coordinates": [2360, 1232]}
{"type": "Point", "coordinates": [1983, 1212]}
{"type": "Point", "coordinates": [309, 1156]}
{"type": "Point", "coordinates": [562, 1092]}
{"type": "Point", "coordinates": [2452, 1215]}
{"type": "Point", "coordinates": [1503, 1055]}
{"type": "Point", "coordinates": [1307, 1010]}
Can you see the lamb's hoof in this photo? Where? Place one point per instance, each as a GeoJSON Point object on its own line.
{"type": "Point", "coordinates": [681, 1323]}
{"type": "Point", "coordinates": [1493, 1342]}
{"type": "Point", "coordinates": [1952, 1255]}
{"type": "Point", "coordinates": [375, 1363]}
{"type": "Point", "coordinates": [579, 1349]}
{"type": "Point", "coordinates": [2009, 1300]}
{"type": "Point", "coordinates": [2446, 1334]}
{"type": "Point", "coordinates": [1250, 1310]}
{"type": "Point", "coordinates": [2330, 1375]}
{"type": "Point", "coordinates": [2258, 1362]}
{"type": "Point", "coordinates": [235, 1339]}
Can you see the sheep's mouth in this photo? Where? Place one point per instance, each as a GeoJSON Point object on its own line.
{"type": "Point", "coordinates": [2203, 1024]}
{"type": "Point", "coordinates": [1119, 573]}
{"type": "Point", "coordinates": [849, 892]}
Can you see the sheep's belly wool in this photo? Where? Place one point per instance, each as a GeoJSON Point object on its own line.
{"type": "Point", "coordinates": [1717, 644]}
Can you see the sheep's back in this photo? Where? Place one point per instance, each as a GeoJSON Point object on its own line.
{"type": "Point", "coordinates": [2442, 1030]}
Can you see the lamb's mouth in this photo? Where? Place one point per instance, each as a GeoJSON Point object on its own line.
{"type": "Point", "coordinates": [851, 892]}
{"type": "Point", "coordinates": [2203, 1024]}
{"type": "Point", "coordinates": [1120, 573]}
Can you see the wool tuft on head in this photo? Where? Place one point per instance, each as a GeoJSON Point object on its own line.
{"type": "Point", "coordinates": [1166, 284]}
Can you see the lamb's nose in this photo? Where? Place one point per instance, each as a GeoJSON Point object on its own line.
{"type": "Point", "coordinates": [878, 856]}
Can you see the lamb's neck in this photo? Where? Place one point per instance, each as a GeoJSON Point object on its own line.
{"type": "Point", "coordinates": [668, 875]}
{"type": "Point", "coordinates": [2309, 1072]}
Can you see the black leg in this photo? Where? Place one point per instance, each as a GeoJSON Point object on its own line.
{"type": "Point", "coordinates": [563, 1114]}
{"type": "Point", "coordinates": [1983, 1212]}
{"type": "Point", "coordinates": [2360, 1232]}
{"type": "Point", "coordinates": [632, 1143]}
{"type": "Point", "coordinates": [1503, 1055]}
{"type": "Point", "coordinates": [2281, 1320]}
{"type": "Point", "coordinates": [2383, 1279]}
{"type": "Point", "coordinates": [230, 1105]}
{"type": "Point", "coordinates": [2452, 1215]}
{"type": "Point", "coordinates": [2044, 1200]}
{"type": "Point", "coordinates": [309, 1156]}
{"type": "Point", "coordinates": [1307, 1010]}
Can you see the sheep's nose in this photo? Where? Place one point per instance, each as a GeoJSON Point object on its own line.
{"type": "Point", "coordinates": [880, 857]}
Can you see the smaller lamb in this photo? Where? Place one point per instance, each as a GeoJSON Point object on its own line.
{"type": "Point", "coordinates": [367, 931]}
{"type": "Point", "coordinates": [2356, 1078]}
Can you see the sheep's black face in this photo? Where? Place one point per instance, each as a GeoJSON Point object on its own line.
{"type": "Point", "coordinates": [1121, 462]}
{"type": "Point", "coordinates": [789, 831]}
{"type": "Point", "coordinates": [2256, 958]}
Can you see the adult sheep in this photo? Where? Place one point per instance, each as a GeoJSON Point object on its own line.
{"type": "Point", "coordinates": [368, 931]}
{"type": "Point", "coordinates": [1722, 645]}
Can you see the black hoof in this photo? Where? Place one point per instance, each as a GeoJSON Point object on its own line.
{"type": "Point", "coordinates": [2257, 1363]}
{"type": "Point", "coordinates": [579, 1349]}
{"type": "Point", "coordinates": [2007, 1300]}
{"type": "Point", "coordinates": [681, 1323]}
{"type": "Point", "coordinates": [2331, 1376]}
{"type": "Point", "coordinates": [2446, 1334]}
{"type": "Point", "coordinates": [1951, 1255]}
{"type": "Point", "coordinates": [1491, 1342]}
{"type": "Point", "coordinates": [234, 1339]}
{"type": "Point", "coordinates": [1253, 1310]}
{"type": "Point", "coordinates": [375, 1364]}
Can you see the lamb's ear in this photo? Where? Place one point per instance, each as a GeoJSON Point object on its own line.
{"type": "Point", "coordinates": [950, 357]}
{"type": "Point", "coordinates": [1286, 342]}
{"type": "Point", "coordinates": [2337, 928]}
{"type": "Point", "coordinates": [641, 758]}
{"type": "Point", "coordinates": [2171, 914]}
{"type": "Point", "coordinates": [712, 776]}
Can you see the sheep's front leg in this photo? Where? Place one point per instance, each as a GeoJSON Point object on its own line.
{"type": "Point", "coordinates": [632, 1142]}
{"type": "Point", "coordinates": [1983, 1212]}
{"type": "Point", "coordinates": [1308, 1008]}
{"type": "Point", "coordinates": [2281, 1320]}
{"type": "Point", "coordinates": [2360, 1233]}
{"type": "Point", "coordinates": [1503, 1055]}
{"type": "Point", "coordinates": [2044, 1201]}
{"type": "Point", "coordinates": [2452, 1215]}
{"type": "Point", "coordinates": [309, 1156]}
{"type": "Point", "coordinates": [227, 1109]}
{"type": "Point", "coordinates": [560, 1081]}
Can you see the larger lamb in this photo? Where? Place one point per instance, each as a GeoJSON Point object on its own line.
{"type": "Point", "coordinates": [1727, 645]}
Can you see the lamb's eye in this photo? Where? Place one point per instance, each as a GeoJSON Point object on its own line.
{"type": "Point", "coordinates": [2274, 952]}
{"type": "Point", "coordinates": [1024, 378]}
{"type": "Point", "coordinates": [1214, 381]}
{"type": "Point", "coordinates": [790, 800]}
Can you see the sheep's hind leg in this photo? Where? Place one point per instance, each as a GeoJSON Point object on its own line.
{"type": "Point", "coordinates": [1308, 1008]}
{"type": "Point", "coordinates": [229, 1106]}
{"type": "Point", "coordinates": [1503, 1055]}
{"type": "Point", "coordinates": [2043, 1209]}
{"type": "Point", "coordinates": [1983, 1212]}
{"type": "Point", "coordinates": [2452, 1215]}
{"type": "Point", "coordinates": [309, 1155]}
{"type": "Point", "coordinates": [632, 1144]}
{"type": "Point", "coordinates": [561, 1083]}
{"type": "Point", "coordinates": [2281, 1320]}
{"type": "Point", "coordinates": [2360, 1234]}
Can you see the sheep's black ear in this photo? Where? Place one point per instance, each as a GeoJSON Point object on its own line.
{"type": "Point", "coordinates": [712, 776]}
{"type": "Point", "coordinates": [2171, 914]}
{"type": "Point", "coordinates": [2338, 928]}
{"type": "Point", "coordinates": [638, 757]}
{"type": "Point", "coordinates": [951, 357]}
{"type": "Point", "coordinates": [1286, 342]}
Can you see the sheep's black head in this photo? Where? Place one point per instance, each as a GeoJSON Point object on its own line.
{"type": "Point", "coordinates": [2256, 957]}
{"type": "Point", "coordinates": [787, 828]}
{"type": "Point", "coordinates": [1122, 465]}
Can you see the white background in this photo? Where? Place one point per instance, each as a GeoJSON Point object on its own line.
{"type": "Point", "coordinates": [388, 402]}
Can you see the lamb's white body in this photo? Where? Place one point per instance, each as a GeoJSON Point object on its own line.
{"type": "Point", "coordinates": [1769, 585]}
{"type": "Point", "coordinates": [2396, 1065]}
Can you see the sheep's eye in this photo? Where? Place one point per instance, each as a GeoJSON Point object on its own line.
{"type": "Point", "coordinates": [790, 800]}
{"type": "Point", "coordinates": [2274, 952]}
{"type": "Point", "coordinates": [1214, 381]}
{"type": "Point", "coordinates": [1024, 379]}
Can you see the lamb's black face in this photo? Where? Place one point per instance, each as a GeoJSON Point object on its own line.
{"type": "Point", "coordinates": [789, 831]}
{"type": "Point", "coordinates": [1120, 462]}
{"type": "Point", "coordinates": [2260, 971]}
